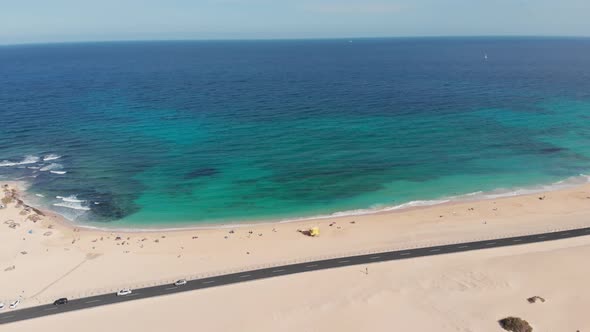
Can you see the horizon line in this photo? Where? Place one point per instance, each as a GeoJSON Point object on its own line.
{"type": "Point", "coordinates": [289, 39]}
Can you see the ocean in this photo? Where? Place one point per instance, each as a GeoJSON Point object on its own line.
{"type": "Point", "coordinates": [178, 133]}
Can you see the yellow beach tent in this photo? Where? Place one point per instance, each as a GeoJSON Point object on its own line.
{"type": "Point", "coordinates": [314, 231]}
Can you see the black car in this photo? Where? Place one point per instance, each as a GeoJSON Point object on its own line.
{"type": "Point", "coordinates": [61, 301]}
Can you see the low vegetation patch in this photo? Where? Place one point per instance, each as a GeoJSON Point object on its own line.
{"type": "Point", "coordinates": [535, 299]}
{"type": "Point", "coordinates": [515, 324]}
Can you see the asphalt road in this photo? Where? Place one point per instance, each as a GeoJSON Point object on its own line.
{"type": "Point", "coordinates": [8, 315]}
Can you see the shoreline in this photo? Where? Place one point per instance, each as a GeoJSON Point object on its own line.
{"type": "Point", "coordinates": [48, 258]}
{"type": "Point", "coordinates": [479, 196]}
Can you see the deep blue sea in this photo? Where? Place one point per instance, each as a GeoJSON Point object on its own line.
{"type": "Point", "coordinates": [176, 133]}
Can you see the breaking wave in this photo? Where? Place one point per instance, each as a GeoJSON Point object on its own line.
{"type": "Point", "coordinates": [51, 156]}
{"type": "Point", "coordinates": [51, 167]}
{"type": "Point", "coordinates": [27, 160]}
{"type": "Point", "coordinates": [72, 202]}
{"type": "Point", "coordinates": [70, 199]}
{"type": "Point", "coordinates": [74, 206]}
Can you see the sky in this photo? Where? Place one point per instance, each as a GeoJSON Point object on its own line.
{"type": "Point", "coordinates": [42, 21]}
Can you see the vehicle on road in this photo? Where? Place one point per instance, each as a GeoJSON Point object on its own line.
{"type": "Point", "coordinates": [1, 305]}
{"type": "Point", "coordinates": [14, 304]}
{"type": "Point", "coordinates": [180, 282]}
{"type": "Point", "coordinates": [61, 301]}
{"type": "Point", "coordinates": [124, 291]}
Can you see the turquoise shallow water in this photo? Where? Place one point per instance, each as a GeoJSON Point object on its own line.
{"type": "Point", "coordinates": [176, 133]}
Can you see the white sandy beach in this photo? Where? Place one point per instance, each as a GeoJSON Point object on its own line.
{"type": "Point", "coordinates": [48, 259]}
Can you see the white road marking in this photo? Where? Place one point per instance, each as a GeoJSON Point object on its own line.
{"type": "Point", "coordinates": [208, 282]}
{"type": "Point", "coordinates": [244, 276]}
{"type": "Point", "coordinates": [516, 240]}
{"type": "Point", "coordinates": [170, 288]}
{"type": "Point", "coordinates": [565, 234]}
{"type": "Point", "coordinates": [433, 250]}
{"type": "Point", "coordinates": [92, 301]}
{"type": "Point", "coordinates": [490, 243]}
{"type": "Point", "coordinates": [7, 317]}
{"type": "Point", "coordinates": [405, 254]}
{"type": "Point", "coordinates": [461, 247]}
{"type": "Point", "coordinates": [277, 271]}
{"type": "Point", "coordinates": [342, 262]}
{"type": "Point", "coordinates": [312, 265]}
{"type": "Point", "coordinates": [375, 257]}
{"type": "Point", "coordinates": [540, 237]}
{"type": "Point", "coordinates": [133, 294]}
{"type": "Point", "coordinates": [54, 308]}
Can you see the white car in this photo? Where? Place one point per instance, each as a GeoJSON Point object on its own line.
{"type": "Point", "coordinates": [14, 304]}
{"type": "Point", "coordinates": [1, 305]}
{"type": "Point", "coordinates": [180, 282]}
{"type": "Point", "coordinates": [124, 291]}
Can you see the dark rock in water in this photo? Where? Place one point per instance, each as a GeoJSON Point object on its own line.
{"type": "Point", "coordinates": [201, 172]}
{"type": "Point", "coordinates": [515, 324]}
{"type": "Point", "coordinates": [111, 207]}
{"type": "Point", "coordinates": [113, 211]}
{"type": "Point", "coordinates": [552, 150]}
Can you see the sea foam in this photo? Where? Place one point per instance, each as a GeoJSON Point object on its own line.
{"type": "Point", "coordinates": [51, 167]}
{"type": "Point", "coordinates": [27, 160]}
{"type": "Point", "coordinates": [474, 196]}
{"type": "Point", "coordinates": [71, 199]}
{"type": "Point", "coordinates": [51, 156]}
{"type": "Point", "coordinates": [72, 202]}
{"type": "Point", "coordinates": [72, 206]}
